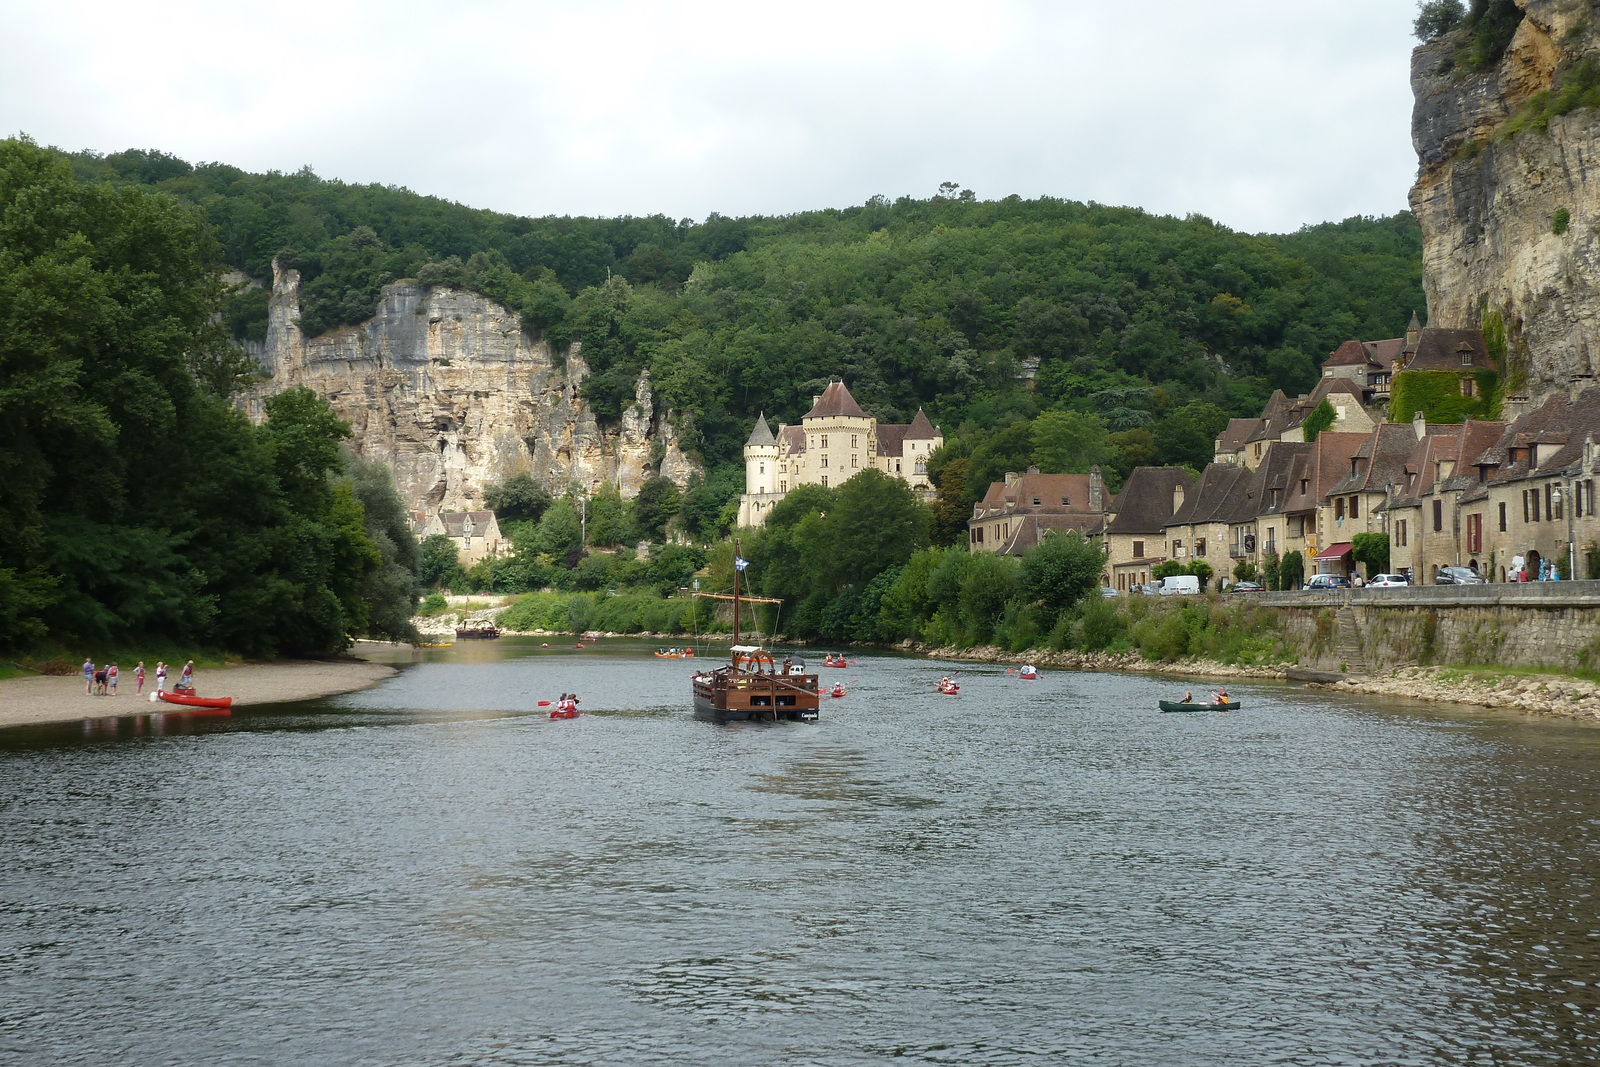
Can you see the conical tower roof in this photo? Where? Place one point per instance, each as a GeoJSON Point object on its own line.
{"type": "Point", "coordinates": [835, 400]}
{"type": "Point", "coordinates": [761, 435]}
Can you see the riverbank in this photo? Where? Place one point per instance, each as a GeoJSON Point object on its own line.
{"type": "Point", "coordinates": [1536, 694]}
{"type": "Point", "coordinates": [30, 701]}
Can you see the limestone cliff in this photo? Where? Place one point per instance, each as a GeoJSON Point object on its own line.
{"type": "Point", "coordinates": [1492, 204]}
{"type": "Point", "coordinates": [444, 387]}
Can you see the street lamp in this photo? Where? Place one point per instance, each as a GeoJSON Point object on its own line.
{"type": "Point", "coordinates": [1572, 549]}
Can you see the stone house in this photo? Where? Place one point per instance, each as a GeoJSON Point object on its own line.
{"type": "Point", "coordinates": [834, 441]}
{"type": "Point", "coordinates": [1217, 515]}
{"type": "Point", "coordinates": [1135, 527]}
{"type": "Point", "coordinates": [1277, 477]}
{"type": "Point", "coordinates": [1017, 513]}
{"type": "Point", "coordinates": [476, 533]}
{"type": "Point", "coordinates": [1325, 462]}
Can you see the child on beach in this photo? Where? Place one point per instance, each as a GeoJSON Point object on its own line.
{"type": "Point", "coordinates": [138, 677]}
{"type": "Point", "coordinates": [111, 678]}
{"type": "Point", "coordinates": [161, 676]}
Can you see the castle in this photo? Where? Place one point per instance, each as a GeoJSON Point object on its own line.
{"type": "Point", "coordinates": [834, 441]}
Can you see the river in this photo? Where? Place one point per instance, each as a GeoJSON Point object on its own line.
{"type": "Point", "coordinates": [434, 872]}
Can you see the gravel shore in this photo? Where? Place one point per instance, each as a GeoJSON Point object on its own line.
{"type": "Point", "coordinates": [26, 701]}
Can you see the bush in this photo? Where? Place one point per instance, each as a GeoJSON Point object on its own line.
{"type": "Point", "coordinates": [1435, 18]}
{"type": "Point", "coordinates": [433, 604]}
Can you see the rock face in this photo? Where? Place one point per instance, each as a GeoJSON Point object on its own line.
{"type": "Point", "coordinates": [444, 387]}
{"type": "Point", "coordinates": [1490, 205]}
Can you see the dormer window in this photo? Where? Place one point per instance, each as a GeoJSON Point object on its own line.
{"type": "Point", "coordinates": [1066, 502]}
{"type": "Point", "coordinates": [1037, 502]}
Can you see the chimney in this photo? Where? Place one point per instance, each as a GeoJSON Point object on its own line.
{"type": "Point", "coordinates": [1419, 423]}
{"type": "Point", "coordinates": [1011, 479]}
{"type": "Point", "coordinates": [1577, 384]}
{"type": "Point", "coordinates": [1095, 487]}
{"type": "Point", "coordinates": [1177, 497]}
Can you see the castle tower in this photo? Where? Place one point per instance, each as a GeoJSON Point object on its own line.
{"type": "Point", "coordinates": [760, 475]}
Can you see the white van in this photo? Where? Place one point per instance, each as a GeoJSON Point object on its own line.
{"type": "Point", "coordinates": [1185, 584]}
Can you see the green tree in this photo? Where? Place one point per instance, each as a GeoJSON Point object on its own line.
{"type": "Point", "coordinates": [1321, 417]}
{"type": "Point", "coordinates": [1291, 571]}
{"type": "Point", "coordinates": [1070, 442]}
{"type": "Point", "coordinates": [519, 497]}
{"type": "Point", "coordinates": [608, 518]}
{"type": "Point", "coordinates": [1371, 549]}
{"type": "Point", "coordinates": [439, 563]}
{"type": "Point", "coordinates": [1435, 18]}
{"type": "Point", "coordinates": [876, 522]}
{"type": "Point", "coordinates": [1060, 571]}
{"type": "Point", "coordinates": [654, 507]}
{"type": "Point", "coordinates": [389, 590]}
{"type": "Point", "coordinates": [561, 533]}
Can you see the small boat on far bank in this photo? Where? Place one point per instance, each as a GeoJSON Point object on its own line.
{"type": "Point", "coordinates": [1178, 705]}
{"type": "Point", "coordinates": [480, 629]}
{"type": "Point", "coordinates": [188, 699]}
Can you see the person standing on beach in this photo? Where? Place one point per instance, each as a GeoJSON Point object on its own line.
{"type": "Point", "coordinates": [138, 677]}
{"type": "Point", "coordinates": [111, 678]}
{"type": "Point", "coordinates": [187, 681]}
{"type": "Point", "coordinates": [88, 677]}
{"type": "Point", "coordinates": [161, 676]}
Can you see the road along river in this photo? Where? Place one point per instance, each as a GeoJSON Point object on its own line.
{"type": "Point", "coordinates": [434, 872]}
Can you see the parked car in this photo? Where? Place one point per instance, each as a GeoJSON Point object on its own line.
{"type": "Point", "coordinates": [1387, 581]}
{"type": "Point", "coordinates": [1246, 587]}
{"type": "Point", "coordinates": [1459, 576]}
{"type": "Point", "coordinates": [1108, 592]}
{"type": "Point", "coordinates": [1327, 581]}
{"type": "Point", "coordinates": [1145, 590]}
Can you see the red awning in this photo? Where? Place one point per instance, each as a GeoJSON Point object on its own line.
{"type": "Point", "coordinates": [1337, 551]}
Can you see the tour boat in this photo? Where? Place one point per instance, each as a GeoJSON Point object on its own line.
{"type": "Point", "coordinates": [1178, 705]}
{"type": "Point", "coordinates": [190, 700]}
{"type": "Point", "coordinates": [753, 687]}
{"type": "Point", "coordinates": [477, 629]}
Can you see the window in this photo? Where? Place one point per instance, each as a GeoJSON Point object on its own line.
{"type": "Point", "coordinates": [1066, 502]}
{"type": "Point", "coordinates": [1533, 498]}
{"type": "Point", "coordinates": [824, 461]}
{"type": "Point", "coordinates": [824, 440]}
{"type": "Point", "coordinates": [1258, 449]}
{"type": "Point", "coordinates": [920, 466]}
{"type": "Point", "coordinates": [1338, 509]}
{"type": "Point", "coordinates": [1355, 507]}
{"type": "Point", "coordinates": [1400, 532]}
{"type": "Point", "coordinates": [977, 535]}
{"type": "Point", "coordinates": [1037, 502]}
{"type": "Point", "coordinates": [853, 458]}
{"type": "Point", "coordinates": [897, 466]}
{"type": "Point", "coordinates": [1558, 507]}
{"type": "Point", "coordinates": [1525, 511]}
{"type": "Point", "coordinates": [763, 468]}
{"type": "Point", "coordinates": [1466, 360]}
{"type": "Point", "coordinates": [1438, 515]}
{"type": "Point", "coordinates": [1200, 546]}
{"type": "Point", "coordinates": [1549, 505]}
{"type": "Point", "coordinates": [783, 486]}
{"type": "Point", "coordinates": [853, 440]}
{"type": "Point", "coordinates": [1466, 386]}
{"type": "Point", "coordinates": [1177, 549]}
{"type": "Point", "coordinates": [1138, 550]}
{"type": "Point", "coordinates": [1502, 517]}
{"type": "Point", "coordinates": [824, 481]}
{"type": "Point", "coordinates": [1474, 533]}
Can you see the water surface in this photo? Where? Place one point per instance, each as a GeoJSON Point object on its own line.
{"type": "Point", "coordinates": [433, 872]}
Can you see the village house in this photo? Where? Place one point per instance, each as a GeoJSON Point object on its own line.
{"type": "Point", "coordinates": [834, 441]}
{"type": "Point", "coordinates": [1277, 477]}
{"type": "Point", "coordinates": [1135, 525]}
{"type": "Point", "coordinates": [475, 533]}
{"type": "Point", "coordinates": [1017, 513]}
{"type": "Point", "coordinates": [1217, 516]}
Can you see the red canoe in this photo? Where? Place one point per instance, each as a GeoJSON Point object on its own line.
{"type": "Point", "coordinates": [954, 690]}
{"type": "Point", "coordinates": [559, 714]}
{"type": "Point", "coordinates": [194, 701]}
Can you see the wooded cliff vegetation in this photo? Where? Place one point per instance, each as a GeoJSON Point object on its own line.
{"type": "Point", "coordinates": [137, 500]}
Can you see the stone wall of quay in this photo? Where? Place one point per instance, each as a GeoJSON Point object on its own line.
{"type": "Point", "coordinates": [1537, 624]}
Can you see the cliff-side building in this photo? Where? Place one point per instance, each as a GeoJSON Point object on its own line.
{"type": "Point", "coordinates": [834, 441]}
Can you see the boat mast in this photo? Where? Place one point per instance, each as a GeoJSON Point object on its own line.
{"type": "Point", "coordinates": [736, 590]}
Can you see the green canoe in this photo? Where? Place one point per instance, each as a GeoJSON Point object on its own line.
{"type": "Point", "coordinates": [1178, 705]}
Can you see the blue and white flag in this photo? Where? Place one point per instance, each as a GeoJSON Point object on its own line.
{"type": "Point", "coordinates": [740, 564]}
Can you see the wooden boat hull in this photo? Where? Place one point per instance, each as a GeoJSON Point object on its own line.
{"type": "Point", "coordinates": [193, 701]}
{"type": "Point", "coordinates": [758, 699]}
{"type": "Point", "coordinates": [1178, 705]}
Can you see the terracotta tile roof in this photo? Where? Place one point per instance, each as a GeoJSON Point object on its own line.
{"type": "Point", "coordinates": [891, 440]}
{"type": "Point", "coordinates": [1351, 353]}
{"type": "Point", "coordinates": [835, 401]}
{"type": "Point", "coordinates": [792, 439]}
{"type": "Point", "coordinates": [1145, 503]}
{"type": "Point", "coordinates": [1049, 489]}
{"type": "Point", "coordinates": [1029, 530]}
{"type": "Point", "coordinates": [1384, 353]}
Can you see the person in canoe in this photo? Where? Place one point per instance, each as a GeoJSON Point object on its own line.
{"type": "Point", "coordinates": [1222, 696]}
{"type": "Point", "coordinates": [1188, 696]}
{"type": "Point", "coordinates": [838, 690]}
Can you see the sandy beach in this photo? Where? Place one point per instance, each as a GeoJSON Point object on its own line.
{"type": "Point", "coordinates": [26, 701]}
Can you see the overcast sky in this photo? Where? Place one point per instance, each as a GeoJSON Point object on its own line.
{"type": "Point", "coordinates": [1262, 114]}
